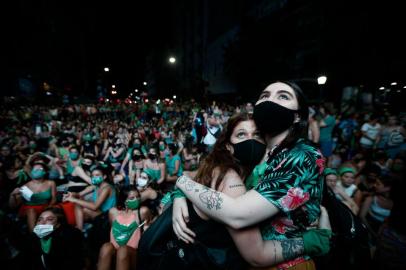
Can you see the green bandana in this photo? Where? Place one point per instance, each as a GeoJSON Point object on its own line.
{"type": "Point", "coordinates": [344, 170]}
{"type": "Point", "coordinates": [46, 244]}
{"type": "Point", "coordinates": [328, 171]}
{"type": "Point", "coordinates": [122, 233]}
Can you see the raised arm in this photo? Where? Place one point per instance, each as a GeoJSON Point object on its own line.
{"type": "Point", "coordinates": [245, 210]}
{"type": "Point", "coordinates": [88, 204]}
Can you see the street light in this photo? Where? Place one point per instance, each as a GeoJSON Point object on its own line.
{"type": "Point", "coordinates": [113, 86]}
{"type": "Point", "coordinates": [321, 80]}
{"type": "Point", "coordinates": [174, 96]}
{"type": "Point", "coordinates": [136, 91]}
{"type": "Point", "coordinates": [144, 83]}
{"type": "Point", "coordinates": [172, 60]}
{"type": "Point", "coordinates": [106, 69]}
{"type": "Point", "coordinates": [394, 83]}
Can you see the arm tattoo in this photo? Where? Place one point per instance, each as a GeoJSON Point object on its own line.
{"type": "Point", "coordinates": [190, 185]}
{"type": "Point", "coordinates": [237, 185]}
{"type": "Point", "coordinates": [292, 248]}
{"type": "Point", "coordinates": [182, 180]}
{"type": "Point", "coordinates": [211, 198]}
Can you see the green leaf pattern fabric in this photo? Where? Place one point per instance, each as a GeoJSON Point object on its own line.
{"type": "Point", "coordinates": [292, 182]}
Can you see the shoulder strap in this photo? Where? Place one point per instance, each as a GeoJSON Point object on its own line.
{"type": "Point", "coordinates": [139, 218]}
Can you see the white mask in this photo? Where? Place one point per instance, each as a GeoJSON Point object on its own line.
{"type": "Point", "coordinates": [43, 230]}
{"type": "Point", "coordinates": [141, 182]}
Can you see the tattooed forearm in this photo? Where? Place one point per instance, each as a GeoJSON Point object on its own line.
{"type": "Point", "coordinates": [237, 185]}
{"type": "Point", "coordinates": [190, 185]}
{"type": "Point", "coordinates": [292, 248]}
{"type": "Point", "coordinates": [211, 198]}
{"type": "Point", "coordinates": [182, 180]}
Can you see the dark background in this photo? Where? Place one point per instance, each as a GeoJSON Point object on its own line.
{"type": "Point", "coordinates": [67, 44]}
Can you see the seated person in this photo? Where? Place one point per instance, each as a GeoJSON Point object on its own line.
{"type": "Point", "coordinates": [56, 245]}
{"type": "Point", "coordinates": [34, 196]}
{"type": "Point", "coordinates": [127, 221]}
{"type": "Point", "coordinates": [104, 197]}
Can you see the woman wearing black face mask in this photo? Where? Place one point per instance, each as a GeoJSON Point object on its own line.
{"type": "Point", "coordinates": [155, 166]}
{"type": "Point", "coordinates": [288, 194]}
{"type": "Point", "coordinates": [135, 166]}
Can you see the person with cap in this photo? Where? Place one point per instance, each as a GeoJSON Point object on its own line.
{"type": "Point", "coordinates": [347, 183]}
{"type": "Point", "coordinates": [330, 178]}
{"type": "Point", "coordinates": [34, 196]}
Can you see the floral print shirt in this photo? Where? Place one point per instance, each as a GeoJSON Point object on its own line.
{"type": "Point", "coordinates": [292, 182]}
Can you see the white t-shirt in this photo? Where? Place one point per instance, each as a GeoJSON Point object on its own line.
{"type": "Point", "coordinates": [371, 131]}
{"type": "Point", "coordinates": [209, 139]}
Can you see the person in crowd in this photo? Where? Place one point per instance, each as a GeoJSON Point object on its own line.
{"type": "Point", "coordinates": [78, 172]}
{"type": "Point", "coordinates": [136, 165]}
{"type": "Point", "coordinates": [190, 155]}
{"type": "Point", "coordinates": [314, 129]}
{"type": "Point", "coordinates": [150, 195]}
{"type": "Point", "coordinates": [56, 244]}
{"type": "Point", "coordinates": [370, 134]}
{"type": "Point", "coordinates": [127, 222]}
{"type": "Point", "coordinates": [390, 251]}
{"type": "Point", "coordinates": [115, 154]}
{"type": "Point", "coordinates": [35, 195]}
{"type": "Point", "coordinates": [173, 164]}
{"type": "Point", "coordinates": [213, 128]}
{"type": "Point", "coordinates": [367, 181]}
{"type": "Point", "coordinates": [331, 177]}
{"type": "Point", "coordinates": [347, 183]}
{"type": "Point", "coordinates": [394, 135]}
{"type": "Point", "coordinates": [327, 124]}
{"type": "Point", "coordinates": [103, 199]}
{"type": "Point", "coordinates": [376, 208]}
{"type": "Point", "coordinates": [291, 185]}
{"type": "Point", "coordinates": [154, 166]}
{"type": "Point", "coordinates": [89, 146]}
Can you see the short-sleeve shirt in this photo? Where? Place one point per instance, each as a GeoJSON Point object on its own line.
{"type": "Point", "coordinates": [170, 165]}
{"type": "Point", "coordinates": [292, 182]}
{"type": "Point", "coordinates": [327, 131]}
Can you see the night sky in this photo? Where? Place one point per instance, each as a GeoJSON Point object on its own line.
{"type": "Point", "coordinates": [65, 43]}
{"type": "Point", "coordinates": [68, 44]}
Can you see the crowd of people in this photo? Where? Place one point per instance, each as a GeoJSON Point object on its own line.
{"type": "Point", "coordinates": [81, 184]}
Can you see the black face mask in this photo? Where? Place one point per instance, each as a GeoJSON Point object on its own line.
{"type": "Point", "coordinates": [272, 118]}
{"type": "Point", "coordinates": [136, 157]}
{"type": "Point", "coordinates": [86, 167]}
{"type": "Point", "coordinates": [152, 156]}
{"type": "Point", "coordinates": [250, 152]}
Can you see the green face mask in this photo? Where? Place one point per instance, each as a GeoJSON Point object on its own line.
{"type": "Point", "coordinates": [37, 174]}
{"type": "Point", "coordinates": [132, 204]}
{"type": "Point", "coordinates": [162, 147]}
{"type": "Point", "coordinates": [96, 180]}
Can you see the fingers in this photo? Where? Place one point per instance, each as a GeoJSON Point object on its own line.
{"type": "Point", "coordinates": [324, 221]}
{"type": "Point", "coordinates": [181, 234]}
